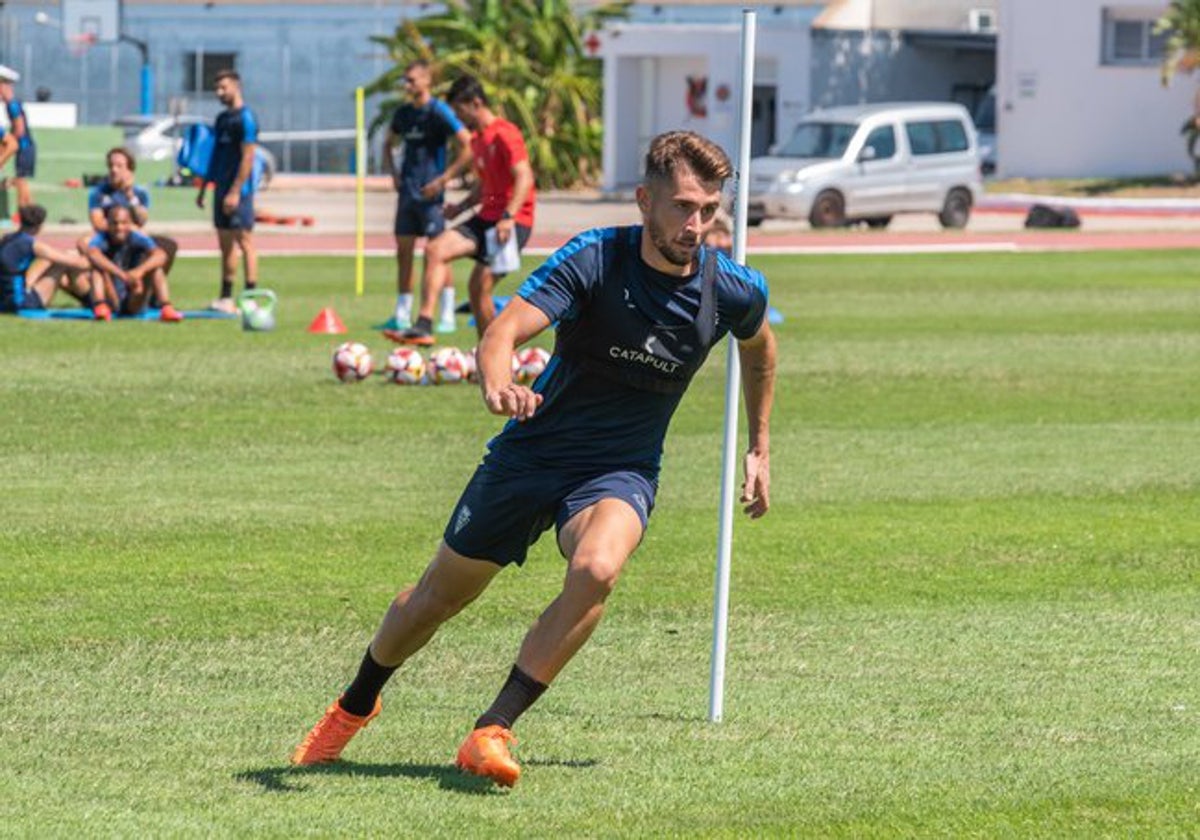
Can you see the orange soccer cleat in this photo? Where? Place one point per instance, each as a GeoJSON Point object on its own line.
{"type": "Point", "coordinates": [485, 753]}
{"type": "Point", "coordinates": [326, 740]}
{"type": "Point", "coordinates": [102, 312]}
{"type": "Point", "coordinates": [170, 314]}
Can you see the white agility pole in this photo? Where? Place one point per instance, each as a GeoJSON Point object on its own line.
{"type": "Point", "coordinates": [733, 382]}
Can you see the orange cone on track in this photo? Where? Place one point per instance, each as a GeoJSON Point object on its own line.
{"type": "Point", "coordinates": [327, 321]}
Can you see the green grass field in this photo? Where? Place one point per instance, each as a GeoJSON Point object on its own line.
{"type": "Point", "coordinates": [973, 611]}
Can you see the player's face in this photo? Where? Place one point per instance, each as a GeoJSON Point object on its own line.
{"type": "Point", "coordinates": [678, 213]}
{"type": "Point", "coordinates": [119, 226]}
{"type": "Point", "coordinates": [416, 82]}
{"type": "Point", "coordinates": [118, 171]}
{"type": "Point", "coordinates": [467, 112]}
{"type": "Point", "coordinates": [6, 91]}
{"type": "Point", "coordinates": [226, 91]}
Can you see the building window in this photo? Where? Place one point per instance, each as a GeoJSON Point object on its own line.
{"type": "Point", "coordinates": [200, 69]}
{"type": "Point", "coordinates": [1130, 39]}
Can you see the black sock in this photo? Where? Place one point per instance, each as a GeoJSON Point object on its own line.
{"type": "Point", "coordinates": [424, 324]}
{"type": "Point", "coordinates": [520, 691]}
{"type": "Point", "coordinates": [251, 285]}
{"type": "Point", "coordinates": [226, 288]}
{"type": "Point", "coordinates": [360, 697]}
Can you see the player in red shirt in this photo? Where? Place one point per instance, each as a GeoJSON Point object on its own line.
{"type": "Point", "coordinates": [505, 195]}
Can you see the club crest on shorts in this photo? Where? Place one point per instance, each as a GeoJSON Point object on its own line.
{"type": "Point", "coordinates": [462, 518]}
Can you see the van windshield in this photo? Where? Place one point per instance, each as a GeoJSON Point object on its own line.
{"type": "Point", "coordinates": [818, 140]}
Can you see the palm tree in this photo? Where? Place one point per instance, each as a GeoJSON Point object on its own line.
{"type": "Point", "coordinates": [531, 59]}
{"type": "Point", "coordinates": [1181, 25]}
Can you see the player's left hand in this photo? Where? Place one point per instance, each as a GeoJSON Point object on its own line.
{"type": "Point", "coordinates": [756, 490]}
{"type": "Point", "coordinates": [230, 203]}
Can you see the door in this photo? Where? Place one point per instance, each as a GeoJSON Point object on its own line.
{"type": "Point", "coordinates": [762, 120]}
{"type": "Point", "coordinates": [880, 178]}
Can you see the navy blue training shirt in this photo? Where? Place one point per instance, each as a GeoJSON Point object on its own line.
{"type": "Point", "coordinates": [16, 253]}
{"type": "Point", "coordinates": [234, 128]}
{"type": "Point", "coordinates": [625, 347]}
{"type": "Point", "coordinates": [105, 195]}
{"type": "Point", "coordinates": [425, 131]}
{"type": "Point", "coordinates": [129, 254]}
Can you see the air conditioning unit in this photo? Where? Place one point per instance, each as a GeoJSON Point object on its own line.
{"type": "Point", "coordinates": [982, 21]}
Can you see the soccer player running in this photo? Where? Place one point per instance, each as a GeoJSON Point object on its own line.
{"type": "Point", "coordinates": [231, 171]}
{"type": "Point", "coordinates": [31, 271]}
{"type": "Point", "coordinates": [637, 310]}
{"type": "Point", "coordinates": [418, 136]}
{"type": "Point", "coordinates": [120, 188]}
{"type": "Point", "coordinates": [26, 153]}
{"type": "Point", "coordinates": [505, 194]}
{"type": "Point", "coordinates": [127, 266]}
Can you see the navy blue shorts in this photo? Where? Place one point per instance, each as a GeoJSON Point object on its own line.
{"type": "Point", "coordinates": [504, 510]}
{"type": "Point", "coordinates": [419, 218]}
{"type": "Point", "coordinates": [26, 161]}
{"type": "Point", "coordinates": [240, 219]}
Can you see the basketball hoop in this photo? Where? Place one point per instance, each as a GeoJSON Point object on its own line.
{"type": "Point", "coordinates": [80, 44]}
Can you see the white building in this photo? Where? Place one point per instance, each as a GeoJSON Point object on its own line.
{"type": "Point", "coordinates": [1079, 91]}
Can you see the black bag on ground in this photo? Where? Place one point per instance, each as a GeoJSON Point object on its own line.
{"type": "Point", "coordinates": [1045, 216]}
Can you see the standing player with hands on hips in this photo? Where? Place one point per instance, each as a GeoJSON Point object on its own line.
{"type": "Point", "coordinates": [637, 311]}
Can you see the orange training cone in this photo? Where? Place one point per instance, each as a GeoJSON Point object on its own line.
{"type": "Point", "coordinates": [327, 321]}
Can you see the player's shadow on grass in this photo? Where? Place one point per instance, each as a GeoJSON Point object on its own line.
{"type": "Point", "coordinates": [287, 779]}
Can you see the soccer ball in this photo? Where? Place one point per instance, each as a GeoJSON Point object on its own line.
{"type": "Point", "coordinates": [352, 362]}
{"type": "Point", "coordinates": [405, 366]}
{"type": "Point", "coordinates": [530, 363]}
{"type": "Point", "coordinates": [447, 366]}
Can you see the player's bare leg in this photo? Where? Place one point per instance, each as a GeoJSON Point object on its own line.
{"type": "Point", "coordinates": [227, 239]}
{"type": "Point", "coordinates": [439, 253]}
{"type": "Point", "coordinates": [245, 243]}
{"type": "Point", "coordinates": [162, 294]}
{"type": "Point", "coordinates": [480, 289]}
{"type": "Point", "coordinates": [449, 583]}
{"type": "Point", "coordinates": [24, 194]}
{"type": "Point", "coordinates": [598, 540]}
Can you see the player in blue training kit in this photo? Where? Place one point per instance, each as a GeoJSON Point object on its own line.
{"type": "Point", "coordinates": [119, 188]}
{"type": "Point", "coordinates": [418, 136]}
{"type": "Point", "coordinates": [127, 268]}
{"type": "Point", "coordinates": [31, 271]}
{"type": "Point", "coordinates": [637, 310]}
{"type": "Point", "coordinates": [231, 173]}
{"type": "Point", "coordinates": [26, 153]}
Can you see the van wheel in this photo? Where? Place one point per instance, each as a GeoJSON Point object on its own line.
{"type": "Point", "coordinates": [957, 209]}
{"type": "Point", "coordinates": [878, 222]}
{"type": "Point", "coordinates": [828, 210]}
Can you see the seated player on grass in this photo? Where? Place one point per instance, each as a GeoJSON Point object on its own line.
{"type": "Point", "coordinates": [127, 267]}
{"type": "Point", "coordinates": [31, 271]}
{"type": "Point", "coordinates": [121, 189]}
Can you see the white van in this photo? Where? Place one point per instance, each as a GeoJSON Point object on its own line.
{"type": "Point", "coordinates": [866, 163]}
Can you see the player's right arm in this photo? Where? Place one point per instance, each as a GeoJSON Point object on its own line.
{"type": "Point", "coordinates": [390, 141]}
{"type": "Point", "coordinates": [52, 255]}
{"type": "Point", "coordinates": [518, 322]}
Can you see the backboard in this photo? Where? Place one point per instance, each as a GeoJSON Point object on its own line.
{"type": "Point", "coordinates": [98, 21]}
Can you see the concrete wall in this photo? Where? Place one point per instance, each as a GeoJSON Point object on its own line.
{"type": "Point", "coordinates": [645, 85]}
{"type": "Point", "coordinates": [1062, 113]}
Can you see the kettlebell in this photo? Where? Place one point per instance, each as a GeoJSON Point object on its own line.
{"type": "Point", "coordinates": [258, 310]}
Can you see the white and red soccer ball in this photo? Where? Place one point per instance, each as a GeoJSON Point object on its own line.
{"type": "Point", "coordinates": [352, 362]}
{"type": "Point", "coordinates": [530, 362]}
{"type": "Point", "coordinates": [405, 366]}
{"type": "Point", "coordinates": [448, 366]}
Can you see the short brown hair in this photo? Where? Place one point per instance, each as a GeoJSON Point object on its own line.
{"type": "Point", "coordinates": [32, 216]}
{"type": "Point", "coordinates": [674, 148]}
{"type": "Point", "coordinates": [123, 152]}
{"type": "Point", "coordinates": [227, 73]}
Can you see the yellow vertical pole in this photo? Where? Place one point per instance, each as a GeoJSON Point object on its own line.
{"type": "Point", "coordinates": [360, 185]}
